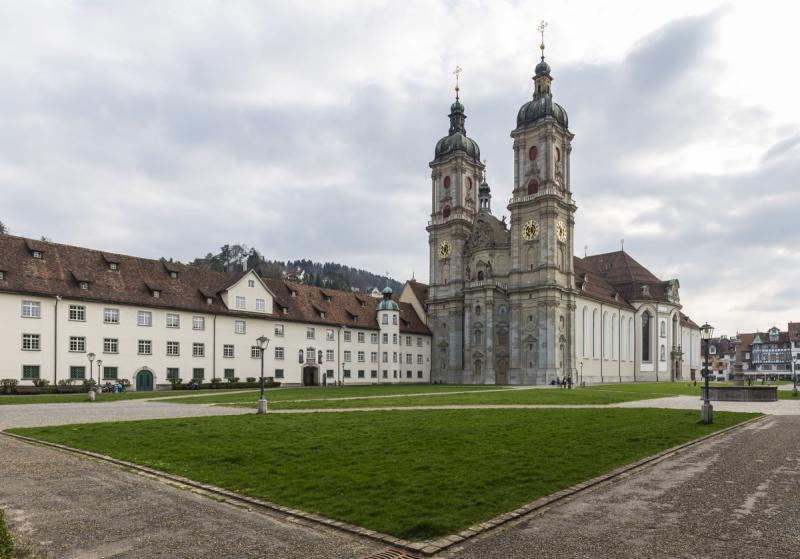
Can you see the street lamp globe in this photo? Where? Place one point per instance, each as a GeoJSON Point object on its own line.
{"type": "Point", "coordinates": [90, 357]}
{"type": "Point", "coordinates": [99, 368]}
{"type": "Point", "coordinates": [263, 343]}
{"type": "Point", "coordinates": [706, 331]}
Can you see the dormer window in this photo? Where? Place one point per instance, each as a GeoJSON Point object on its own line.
{"type": "Point", "coordinates": [113, 266]}
{"type": "Point", "coordinates": [83, 285]}
{"type": "Point", "coordinates": [37, 254]}
{"type": "Point", "coordinates": [322, 314]}
{"type": "Point", "coordinates": [2, 276]}
{"type": "Point", "coordinates": [293, 292]}
{"type": "Point", "coordinates": [285, 310]}
{"type": "Point", "coordinates": [209, 300]}
{"type": "Point", "coordinates": [157, 293]}
{"type": "Point", "coordinates": [173, 275]}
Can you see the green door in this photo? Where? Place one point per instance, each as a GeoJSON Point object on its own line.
{"type": "Point", "coordinates": [144, 381]}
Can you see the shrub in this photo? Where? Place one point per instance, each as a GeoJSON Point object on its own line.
{"type": "Point", "coordinates": [7, 385]}
{"type": "Point", "coordinates": [6, 539]}
{"type": "Point", "coordinates": [251, 379]}
{"type": "Point", "coordinates": [215, 382]}
{"type": "Point", "coordinates": [89, 383]}
{"type": "Point", "coordinates": [232, 380]}
{"type": "Point", "coordinates": [66, 382]}
{"type": "Point", "coordinates": [41, 382]}
{"type": "Point", "coordinates": [176, 383]}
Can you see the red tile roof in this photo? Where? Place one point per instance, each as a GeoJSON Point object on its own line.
{"type": "Point", "coordinates": [63, 266]}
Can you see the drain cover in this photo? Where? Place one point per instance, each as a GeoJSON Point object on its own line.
{"type": "Point", "coordinates": [390, 553]}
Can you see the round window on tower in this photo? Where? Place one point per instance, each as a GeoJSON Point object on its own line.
{"type": "Point", "coordinates": [533, 187]}
{"type": "Point", "coordinates": [446, 212]}
{"type": "Point", "coordinates": [469, 183]}
{"type": "Point", "coordinates": [447, 182]}
{"type": "Point", "coordinates": [533, 153]}
{"type": "Point", "coordinates": [558, 154]}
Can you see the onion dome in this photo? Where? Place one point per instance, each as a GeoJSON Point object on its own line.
{"type": "Point", "coordinates": [457, 140]}
{"type": "Point", "coordinates": [542, 105]}
{"type": "Point", "coordinates": [388, 303]}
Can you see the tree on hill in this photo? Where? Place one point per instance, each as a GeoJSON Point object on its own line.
{"type": "Point", "coordinates": [3, 229]}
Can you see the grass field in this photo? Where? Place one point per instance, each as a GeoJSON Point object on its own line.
{"type": "Point", "coordinates": [82, 397]}
{"type": "Point", "coordinates": [415, 474]}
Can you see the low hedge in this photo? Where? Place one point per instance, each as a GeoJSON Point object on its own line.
{"type": "Point", "coordinates": [6, 539]}
{"type": "Point", "coordinates": [226, 385]}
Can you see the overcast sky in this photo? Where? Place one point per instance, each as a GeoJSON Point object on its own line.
{"type": "Point", "coordinates": [305, 130]}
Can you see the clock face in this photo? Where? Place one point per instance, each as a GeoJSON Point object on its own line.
{"type": "Point", "coordinates": [445, 249]}
{"type": "Point", "coordinates": [530, 231]}
{"type": "Point", "coordinates": [561, 231]}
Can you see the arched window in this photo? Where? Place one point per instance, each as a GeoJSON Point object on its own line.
{"type": "Point", "coordinates": [447, 182]}
{"type": "Point", "coordinates": [675, 341]}
{"type": "Point", "coordinates": [663, 329]}
{"type": "Point", "coordinates": [480, 275]}
{"type": "Point", "coordinates": [502, 310]}
{"type": "Point", "coordinates": [646, 336]}
{"type": "Point", "coordinates": [630, 339]}
{"type": "Point", "coordinates": [663, 352]}
{"type": "Point", "coordinates": [605, 336]}
{"type": "Point", "coordinates": [300, 356]}
{"type": "Point", "coordinates": [533, 153]}
{"type": "Point", "coordinates": [585, 330]}
{"type": "Point", "coordinates": [477, 310]}
{"type": "Point", "coordinates": [446, 212]}
{"type": "Point", "coordinates": [622, 341]}
{"type": "Point", "coordinates": [595, 328]}
{"type": "Point", "coordinates": [533, 187]}
{"type": "Point", "coordinates": [478, 337]}
{"type": "Point", "coordinates": [469, 183]}
{"type": "Point", "coordinates": [613, 336]}
{"type": "Point", "coordinates": [558, 154]}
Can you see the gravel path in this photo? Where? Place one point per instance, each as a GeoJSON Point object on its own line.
{"type": "Point", "coordinates": [38, 415]}
{"type": "Point", "coordinates": [781, 407]}
{"type": "Point", "coordinates": [75, 508]}
{"type": "Point", "coordinates": [734, 496]}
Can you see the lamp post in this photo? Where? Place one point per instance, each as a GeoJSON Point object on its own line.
{"type": "Point", "coordinates": [794, 374]}
{"type": "Point", "coordinates": [263, 343]}
{"type": "Point", "coordinates": [707, 411]}
{"type": "Point", "coordinates": [90, 357]}
{"type": "Point", "coordinates": [581, 380]}
{"type": "Point", "coordinates": [99, 368]}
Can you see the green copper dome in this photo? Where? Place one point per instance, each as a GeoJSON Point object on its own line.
{"type": "Point", "coordinates": [457, 140]}
{"type": "Point", "coordinates": [387, 304]}
{"type": "Point", "coordinates": [542, 105]}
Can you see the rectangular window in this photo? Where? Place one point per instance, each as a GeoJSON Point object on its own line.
{"type": "Point", "coordinates": [347, 356]}
{"type": "Point", "coordinates": [198, 373]}
{"type": "Point", "coordinates": [310, 333]}
{"type": "Point", "coordinates": [385, 373]}
{"type": "Point", "coordinates": [279, 373]}
{"type": "Point", "coordinates": [394, 319]}
{"type": "Point", "coordinates": [255, 352]}
{"type": "Point", "coordinates": [360, 356]}
{"type": "Point", "coordinates": [198, 349]}
{"type": "Point", "coordinates": [31, 309]}
{"type": "Point", "coordinates": [228, 351]}
{"type": "Point", "coordinates": [408, 359]}
{"type": "Point", "coordinates": [261, 305]}
{"type": "Point", "coordinates": [394, 339]}
{"type": "Point", "coordinates": [241, 302]}
{"type": "Point", "coordinates": [173, 320]}
{"type": "Point", "coordinates": [373, 357]}
{"type": "Point", "coordinates": [329, 373]}
{"type": "Point", "coordinates": [111, 316]}
{"type": "Point", "coordinates": [346, 373]}
{"type": "Point", "coordinates": [145, 347]}
{"type": "Point", "coordinates": [385, 357]}
{"type": "Point", "coordinates": [385, 338]}
{"type": "Point", "coordinates": [77, 312]}
{"type": "Point", "coordinates": [110, 345]}
{"type": "Point", "coordinates": [394, 357]}
{"type": "Point", "coordinates": [360, 374]}
{"type": "Point", "coordinates": [76, 372]}
{"type": "Point", "coordinates": [198, 323]}
{"type": "Point", "coordinates": [373, 374]}
{"type": "Point", "coordinates": [31, 342]}
{"type": "Point", "coordinates": [329, 355]}
{"type": "Point", "coordinates": [361, 337]}
{"type": "Point", "coordinates": [347, 335]}
{"type": "Point", "coordinates": [110, 373]}
{"type": "Point", "coordinates": [328, 335]}
{"type": "Point", "coordinates": [419, 342]}
{"type": "Point", "coordinates": [278, 353]}
{"type": "Point", "coordinates": [419, 359]}
{"type": "Point", "coordinates": [408, 374]}
{"type": "Point", "coordinates": [279, 330]}
{"type": "Point", "coordinates": [30, 372]}
{"type": "Point", "coordinates": [373, 338]}
{"type": "Point", "coordinates": [419, 374]}
{"type": "Point", "coordinates": [77, 343]}
{"type": "Point", "coordinates": [408, 341]}
{"type": "Point", "coordinates": [239, 326]}
{"type": "Point", "coordinates": [144, 318]}
{"type": "Point", "coordinates": [173, 348]}
{"type": "Point", "coordinates": [384, 318]}
{"type": "Point", "coordinates": [173, 373]}
{"type": "Point", "coordinates": [229, 373]}
{"type": "Point", "coordinates": [251, 283]}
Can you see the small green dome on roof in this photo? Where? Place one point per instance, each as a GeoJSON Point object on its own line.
{"type": "Point", "coordinates": [387, 304]}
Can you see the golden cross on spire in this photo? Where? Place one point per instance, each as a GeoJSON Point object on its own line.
{"type": "Point", "coordinates": [457, 73]}
{"type": "Point", "coordinates": [541, 28]}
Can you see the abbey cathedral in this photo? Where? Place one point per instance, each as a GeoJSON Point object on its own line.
{"type": "Point", "coordinates": [510, 303]}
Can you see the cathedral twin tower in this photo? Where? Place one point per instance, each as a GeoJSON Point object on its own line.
{"type": "Point", "coordinates": [502, 296]}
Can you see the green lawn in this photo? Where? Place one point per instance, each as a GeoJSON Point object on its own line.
{"type": "Point", "coordinates": [82, 397]}
{"type": "Point", "coordinates": [415, 474]}
{"type": "Point", "coordinates": [335, 392]}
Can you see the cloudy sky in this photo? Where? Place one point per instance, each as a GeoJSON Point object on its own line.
{"type": "Point", "coordinates": [305, 130]}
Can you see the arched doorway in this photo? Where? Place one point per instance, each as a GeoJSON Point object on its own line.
{"type": "Point", "coordinates": [310, 376]}
{"type": "Point", "coordinates": [144, 380]}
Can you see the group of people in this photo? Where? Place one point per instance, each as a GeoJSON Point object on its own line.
{"type": "Point", "coordinates": [565, 382]}
{"type": "Point", "coordinates": [114, 387]}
